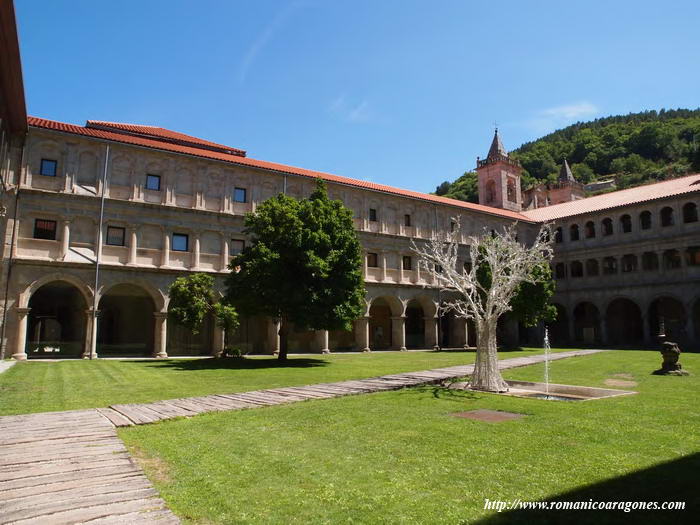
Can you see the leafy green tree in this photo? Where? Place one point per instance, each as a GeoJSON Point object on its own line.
{"type": "Point", "coordinates": [192, 298]}
{"type": "Point", "coordinates": [303, 266]}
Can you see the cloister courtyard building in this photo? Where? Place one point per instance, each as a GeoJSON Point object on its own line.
{"type": "Point", "coordinates": [626, 263]}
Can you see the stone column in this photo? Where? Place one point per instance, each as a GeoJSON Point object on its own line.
{"type": "Point", "coordinates": [362, 334]}
{"type": "Point", "coordinates": [65, 239]}
{"type": "Point", "coordinates": [160, 339]}
{"type": "Point", "coordinates": [195, 255]}
{"type": "Point", "coordinates": [166, 250]}
{"type": "Point", "coordinates": [431, 332]}
{"type": "Point", "coordinates": [572, 326]}
{"type": "Point", "coordinates": [400, 259]}
{"type": "Point", "coordinates": [273, 337]}
{"type": "Point", "coordinates": [322, 341]}
{"type": "Point", "coordinates": [646, 329]}
{"type": "Point", "coordinates": [224, 253]}
{"type": "Point", "coordinates": [133, 243]}
{"type": "Point", "coordinates": [398, 332]}
{"type": "Point", "coordinates": [90, 329]}
{"type": "Point", "coordinates": [365, 267]}
{"type": "Point", "coordinates": [218, 345]}
{"type": "Point", "coordinates": [603, 330]}
{"type": "Point", "coordinates": [383, 256]}
{"type": "Point", "coordinates": [417, 270]}
{"type": "Point", "coordinates": [20, 348]}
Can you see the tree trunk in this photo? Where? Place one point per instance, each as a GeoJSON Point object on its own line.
{"type": "Point", "coordinates": [283, 333]}
{"type": "Point", "coordinates": [486, 374]}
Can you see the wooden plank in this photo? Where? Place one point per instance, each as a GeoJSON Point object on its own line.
{"type": "Point", "coordinates": [62, 466]}
{"type": "Point", "coordinates": [116, 418]}
{"type": "Point", "coordinates": [30, 482]}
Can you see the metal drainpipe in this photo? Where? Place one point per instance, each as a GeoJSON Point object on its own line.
{"type": "Point", "coordinates": [12, 247]}
{"type": "Point", "coordinates": [284, 187]}
{"type": "Point", "coordinates": [98, 250]}
{"type": "Point", "coordinates": [439, 317]}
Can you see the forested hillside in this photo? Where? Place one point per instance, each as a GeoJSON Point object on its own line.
{"type": "Point", "coordinates": [634, 149]}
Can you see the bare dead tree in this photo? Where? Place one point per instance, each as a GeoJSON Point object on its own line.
{"type": "Point", "coordinates": [510, 262]}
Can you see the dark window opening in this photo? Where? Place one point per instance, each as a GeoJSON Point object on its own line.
{"type": "Point", "coordinates": [590, 230]}
{"type": "Point", "coordinates": [626, 223]}
{"type": "Point", "coordinates": [239, 195]}
{"type": "Point", "coordinates": [576, 269]}
{"type": "Point", "coordinates": [407, 262]}
{"type": "Point", "coordinates": [573, 232]}
{"type": "Point", "coordinates": [690, 212]}
{"type": "Point", "coordinates": [115, 236]}
{"type": "Point", "coordinates": [372, 260]}
{"type": "Point", "coordinates": [558, 235]}
{"type": "Point", "coordinates": [372, 215]}
{"type": "Point", "coordinates": [44, 229]}
{"type": "Point", "coordinates": [607, 227]}
{"type": "Point", "coordinates": [609, 266]}
{"type": "Point", "coordinates": [667, 216]}
{"type": "Point", "coordinates": [629, 263]}
{"type": "Point", "coordinates": [672, 260]}
{"type": "Point", "coordinates": [407, 220]}
{"type": "Point", "coordinates": [645, 220]}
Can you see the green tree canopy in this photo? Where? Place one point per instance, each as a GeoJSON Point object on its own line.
{"type": "Point", "coordinates": [303, 265]}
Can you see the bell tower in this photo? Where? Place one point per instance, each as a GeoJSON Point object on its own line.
{"type": "Point", "coordinates": [499, 178]}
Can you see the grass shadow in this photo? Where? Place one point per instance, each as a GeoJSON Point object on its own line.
{"type": "Point", "coordinates": [673, 481]}
{"type": "Point", "coordinates": [230, 364]}
{"type": "Point", "coordinates": [441, 392]}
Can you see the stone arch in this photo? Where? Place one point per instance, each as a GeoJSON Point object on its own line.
{"type": "Point", "coordinates": [26, 294]}
{"type": "Point", "coordinates": [671, 311]}
{"type": "Point", "coordinates": [623, 320]}
{"type": "Point", "coordinates": [126, 321]}
{"type": "Point", "coordinates": [381, 311]}
{"type": "Point", "coordinates": [415, 324]}
{"type": "Point", "coordinates": [430, 307]}
{"type": "Point", "coordinates": [160, 299]}
{"type": "Point", "coordinates": [587, 323]}
{"type": "Point", "coordinates": [57, 320]}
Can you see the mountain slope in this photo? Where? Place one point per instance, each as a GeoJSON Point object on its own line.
{"type": "Point", "coordinates": [634, 149]}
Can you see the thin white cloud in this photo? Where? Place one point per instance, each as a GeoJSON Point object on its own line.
{"type": "Point", "coordinates": [264, 37]}
{"type": "Point", "coordinates": [551, 119]}
{"type": "Point", "coordinates": [350, 111]}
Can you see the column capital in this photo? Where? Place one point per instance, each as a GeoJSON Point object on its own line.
{"type": "Point", "coordinates": [160, 315]}
{"type": "Point", "coordinates": [398, 317]}
{"type": "Point", "coordinates": [23, 311]}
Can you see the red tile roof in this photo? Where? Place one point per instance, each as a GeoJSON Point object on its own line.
{"type": "Point", "coordinates": [162, 133]}
{"type": "Point", "coordinates": [649, 192]}
{"type": "Point", "coordinates": [153, 142]}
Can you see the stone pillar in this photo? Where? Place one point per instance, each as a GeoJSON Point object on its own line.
{"type": "Point", "coordinates": [572, 326]}
{"type": "Point", "coordinates": [273, 336]}
{"type": "Point", "coordinates": [165, 261]}
{"type": "Point", "coordinates": [133, 243]}
{"type": "Point", "coordinates": [365, 267]}
{"type": "Point", "coordinates": [398, 332]}
{"type": "Point", "coordinates": [383, 256]}
{"type": "Point", "coordinates": [160, 339]}
{"type": "Point", "coordinates": [195, 255]}
{"type": "Point", "coordinates": [89, 350]}
{"type": "Point", "coordinates": [20, 348]}
{"type": "Point", "coordinates": [322, 341]}
{"type": "Point", "coordinates": [219, 343]}
{"type": "Point", "coordinates": [603, 330]}
{"type": "Point", "coordinates": [646, 329]}
{"type": "Point", "coordinates": [65, 239]}
{"type": "Point", "coordinates": [224, 253]}
{"type": "Point", "coordinates": [399, 255]}
{"type": "Point", "coordinates": [362, 334]}
{"type": "Point", "coordinates": [417, 270]}
{"type": "Point", "coordinates": [431, 332]}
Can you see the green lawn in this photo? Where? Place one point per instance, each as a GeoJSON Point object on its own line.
{"type": "Point", "coordinates": [400, 457]}
{"type": "Point", "coordinates": [66, 385]}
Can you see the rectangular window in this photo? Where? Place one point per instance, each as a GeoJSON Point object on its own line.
{"type": "Point", "coordinates": [239, 195]}
{"type": "Point", "coordinates": [44, 229]}
{"type": "Point", "coordinates": [372, 215]}
{"type": "Point", "coordinates": [115, 236]}
{"type": "Point", "coordinates": [180, 242]}
{"type": "Point", "coordinates": [407, 220]}
{"type": "Point", "coordinates": [237, 246]}
{"type": "Point", "coordinates": [48, 167]}
{"type": "Point", "coordinates": [372, 260]}
{"type": "Point", "coordinates": [407, 262]}
{"type": "Point", "coordinates": [453, 225]}
{"type": "Point", "coordinates": [153, 182]}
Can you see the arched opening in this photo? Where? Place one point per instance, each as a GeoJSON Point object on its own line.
{"type": "Point", "coordinates": [510, 191]}
{"type": "Point", "coordinates": [559, 328]}
{"type": "Point", "coordinates": [490, 191]}
{"type": "Point", "coordinates": [590, 230]}
{"type": "Point", "coordinates": [671, 313]}
{"type": "Point", "coordinates": [181, 340]}
{"type": "Point", "coordinates": [126, 322]}
{"type": "Point", "coordinates": [576, 269]}
{"type": "Point", "coordinates": [690, 212]}
{"type": "Point", "coordinates": [626, 223]}
{"type": "Point", "coordinates": [592, 267]}
{"type": "Point", "coordinates": [609, 266]}
{"type": "Point", "coordinates": [415, 325]}
{"type": "Point", "coordinates": [380, 324]}
{"type": "Point", "coordinates": [672, 259]}
{"type": "Point", "coordinates": [629, 263]}
{"type": "Point", "coordinates": [607, 226]}
{"type": "Point", "coordinates": [645, 220]}
{"type": "Point", "coordinates": [667, 216]}
{"type": "Point", "coordinates": [586, 323]}
{"type": "Point", "coordinates": [558, 235]}
{"type": "Point", "coordinates": [56, 322]}
{"type": "Point", "coordinates": [573, 232]}
{"type": "Point", "coordinates": [650, 261]}
{"type": "Point", "coordinates": [623, 319]}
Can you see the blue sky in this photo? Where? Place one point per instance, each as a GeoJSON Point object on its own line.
{"type": "Point", "coordinates": [404, 92]}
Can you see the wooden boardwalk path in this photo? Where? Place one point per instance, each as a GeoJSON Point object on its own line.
{"type": "Point", "coordinates": [71, 467]}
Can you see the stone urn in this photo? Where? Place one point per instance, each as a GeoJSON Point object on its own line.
{"type": "Point", "coordinates": [670, 365]}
